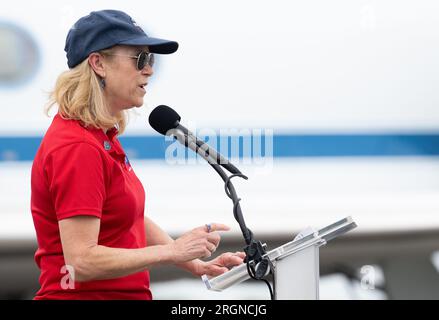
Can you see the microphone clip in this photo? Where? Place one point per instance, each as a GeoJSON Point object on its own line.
{"type": "Point", "coordinates": [255, 252]}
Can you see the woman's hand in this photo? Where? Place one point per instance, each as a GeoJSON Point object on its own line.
{"type": "Point", "coordinates": [200, 242]}
{"type": "Point", "coordinates": [220, 264]}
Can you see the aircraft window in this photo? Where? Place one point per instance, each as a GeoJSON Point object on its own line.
{"type": "Point", "coordinates": [19, 55]}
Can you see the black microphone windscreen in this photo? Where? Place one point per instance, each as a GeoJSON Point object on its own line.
{"type": "Point", "coordinates": [163, 118]}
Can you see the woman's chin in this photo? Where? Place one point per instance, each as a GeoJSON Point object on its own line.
{"type": "Point", "coordinates": [137, 104]}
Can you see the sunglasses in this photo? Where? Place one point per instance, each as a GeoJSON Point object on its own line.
{"type": "Point", "coordinates": [143, 59]}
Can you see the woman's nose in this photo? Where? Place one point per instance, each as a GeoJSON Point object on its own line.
{"type": "Point", "coordinates": [147, 70]}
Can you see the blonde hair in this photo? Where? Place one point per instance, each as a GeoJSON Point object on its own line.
{"type": "Point", "coordinates": [79, 96]}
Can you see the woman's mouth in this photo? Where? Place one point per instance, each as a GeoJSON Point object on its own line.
{"type": "Point", "coordinates": [142, 86]}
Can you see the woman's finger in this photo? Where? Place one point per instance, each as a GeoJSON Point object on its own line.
{"type": "Point", "coordinates": [212, 227]}
{"type": "Point", "coordinates": [240, 254]}
{"type": "Point", "coordinates": [214, 238]}
{"type": "Point", "coordinates": [211, 247]}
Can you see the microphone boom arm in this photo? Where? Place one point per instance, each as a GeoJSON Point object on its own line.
{"type": "Point", "coordinates": [254, 250]}
{"type": "Point", "coordinates": [194, 145]}
{"type": "Point", "coordinates": [231, 193]}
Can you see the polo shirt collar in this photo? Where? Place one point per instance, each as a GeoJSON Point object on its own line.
{"type": "Point", "coordinates": [107, 140]}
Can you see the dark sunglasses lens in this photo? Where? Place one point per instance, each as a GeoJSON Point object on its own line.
{"type": "Point", "coordinates": [145, 58]}
{"type": "Point", "coordinates": [141, 60]}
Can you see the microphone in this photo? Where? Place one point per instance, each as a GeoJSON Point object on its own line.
{"type": "Point", "coordinates": [166, 121]}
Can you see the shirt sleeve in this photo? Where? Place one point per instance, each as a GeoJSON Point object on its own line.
{"type": "Point", "coordinates": [76, 180]}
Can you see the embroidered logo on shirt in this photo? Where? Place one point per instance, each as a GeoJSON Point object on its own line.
{"type": "Point", "coordinates": [107, 145]}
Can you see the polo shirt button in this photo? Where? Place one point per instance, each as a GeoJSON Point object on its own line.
{"type": "Point", "coordinates": [107, 145]}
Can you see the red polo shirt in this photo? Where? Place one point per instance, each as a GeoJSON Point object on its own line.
{"type": "Point", "coordinates": [81, 171]}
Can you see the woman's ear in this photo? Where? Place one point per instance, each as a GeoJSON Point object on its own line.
{"type": "Point", "coordinates": [96, 62]}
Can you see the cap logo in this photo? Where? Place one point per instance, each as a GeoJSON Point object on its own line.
{"type": "Point", "coordinates": [136, 25]}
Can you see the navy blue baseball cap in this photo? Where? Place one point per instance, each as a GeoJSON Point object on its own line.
{"type": "Point", "coordinates": [106, 28]}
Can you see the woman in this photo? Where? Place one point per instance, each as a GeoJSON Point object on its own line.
{"type": "Point", "coordinates": [87, 203]}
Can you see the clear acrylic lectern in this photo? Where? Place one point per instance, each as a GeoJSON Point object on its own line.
{"type": "Point", "coordinates": [296, 265]}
